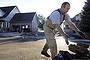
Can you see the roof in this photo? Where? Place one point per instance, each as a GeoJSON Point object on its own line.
{"type": "Point", "coordinates": [23, 17]}
{"type": "Point", "coordinates": [74, 18]}
{"type": "Point", "coordinates": [7, 10]}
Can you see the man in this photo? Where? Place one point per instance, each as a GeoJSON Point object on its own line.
{"type": "Point", "coordinates": [54, 21]}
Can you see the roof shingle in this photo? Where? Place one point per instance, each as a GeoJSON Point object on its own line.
{"type": "Point", "coordinates": [23, 17]}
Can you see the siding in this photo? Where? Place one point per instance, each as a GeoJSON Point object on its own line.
{"type": "Point", "coordinates": [35, 24]}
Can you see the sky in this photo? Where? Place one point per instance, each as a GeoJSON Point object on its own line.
{"type": "Point", "coordinates": [44, 7]}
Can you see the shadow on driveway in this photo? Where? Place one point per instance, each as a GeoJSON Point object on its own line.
{"type": "Point", "coordinates": [23, 39]}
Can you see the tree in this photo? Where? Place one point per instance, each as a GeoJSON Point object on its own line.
{"type": "Point", "coordinates": [41, 21]}
{"type": "Point", "coordinates": [85, 17]}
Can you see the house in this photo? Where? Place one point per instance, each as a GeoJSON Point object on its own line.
{"type": "Point", "coordinates": [76, 20]}
{"type": "Point", "coordinates": [24, 21]}
{"type": "Point", "coordinates": [6, 14]}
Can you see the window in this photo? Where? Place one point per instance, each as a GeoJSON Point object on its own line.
{"type": "Point", "coordinates": [26, 26]}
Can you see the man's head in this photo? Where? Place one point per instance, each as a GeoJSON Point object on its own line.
{"type": "Point", "coordinates": [65, 7]}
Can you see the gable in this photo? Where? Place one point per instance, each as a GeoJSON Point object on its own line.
{"type": "Point", "coordinates": [6, 10]}
{"type": "Point", "coordinates": [23, 17]}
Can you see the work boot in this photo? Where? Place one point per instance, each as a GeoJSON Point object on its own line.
{"type": "Point", "coordinates": [45, 54]}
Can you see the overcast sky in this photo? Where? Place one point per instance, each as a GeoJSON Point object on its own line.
{"type": "Point", "coordinates": [44, 7]}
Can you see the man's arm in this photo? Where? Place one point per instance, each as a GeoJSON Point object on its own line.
{"type": "Point", "coordinates": [73, 26]}
{"type": "Point", "coordinates": [59, 29]}
{"type": "Point", "coordinates": [62, 32]}
{"type": "Point", "coordinates": [70, 23]}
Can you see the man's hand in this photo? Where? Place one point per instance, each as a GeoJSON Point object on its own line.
{"type": "Point", "coordinates": [66, 38]}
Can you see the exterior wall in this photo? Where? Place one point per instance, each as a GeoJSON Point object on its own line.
{"type": "Point", "coordinates": [35, 24]}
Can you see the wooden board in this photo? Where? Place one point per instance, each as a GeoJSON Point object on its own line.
{"type": "Point", "coordinates": [84, 41]}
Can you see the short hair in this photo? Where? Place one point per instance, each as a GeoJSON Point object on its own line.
{"type": "Point", "coordinates": [64, 4]}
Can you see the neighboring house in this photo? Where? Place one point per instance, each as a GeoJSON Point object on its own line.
{"type": "Point", "coordinates": [76, 20]}
{"type": "Point", "coordinates": [6, 14]}
{"type": "Point", "coordinates": [24, 21]}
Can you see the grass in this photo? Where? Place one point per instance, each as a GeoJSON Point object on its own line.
{"type": "Point", "coordinates": [22, 51]}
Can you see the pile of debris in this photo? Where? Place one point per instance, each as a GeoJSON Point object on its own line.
{"type": "Point", "coordinates": [81, 50]}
